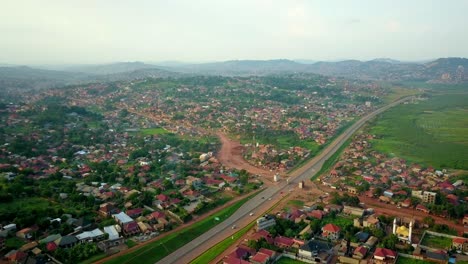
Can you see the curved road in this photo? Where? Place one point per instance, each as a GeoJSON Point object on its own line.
{"type": "Point", "coordinates": [267, 198]}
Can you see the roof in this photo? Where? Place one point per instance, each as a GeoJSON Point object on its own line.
{"type": "Point", "coordinates": [331, 228]}
{"type": "Point", "coordinates": [130, 226]}
{"type": "Point", "coordinates": [385, 253]}
{"type": "Point", "coordinates": [459, 240]}
{"type": "Point", "coordinates": [16, 256]}
{"type": "Point", "coordinates": [51, 246]}
{"type": "Point", "coordinates": [285, 241]}
{"type": "Point", "coordinates": [90, 234]}
{"type": "Point", "coordinates": [113, 234]}
{"type": "Point", "coordinates": [260, 257]}
{"type": "Point", "coordinates": [269, 252]}
{"type": "Point", "coordinates": [361, 250]}
{"type": "Point", "coordinates": [66, 240]}
{"type": "Point", "coordinates": [50, 238]}
{"type": "Point", "coordinates": [313, 244]}
{"type": "Point", "coordinates": [136, 211]}
{"type": "Point", "coordinates": [234, 260]}
{"type": "Point", "coordinates": [123, 217]}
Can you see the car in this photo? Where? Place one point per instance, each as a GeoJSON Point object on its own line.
{"type": "Point", "coordinates": [269, 199]}
{"type": "Point", "coordinates": [263, 197]}
{"type": "Point", "coordinates": [234, 227]}
{"type": "Point", "coordinates": [251, 214]}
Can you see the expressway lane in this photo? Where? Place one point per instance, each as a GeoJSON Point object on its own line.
{"type": "Point", "coordinates": [261, 202]}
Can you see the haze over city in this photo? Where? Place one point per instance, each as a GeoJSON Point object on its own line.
{"type": "Point", "coordinates": [87, 32]}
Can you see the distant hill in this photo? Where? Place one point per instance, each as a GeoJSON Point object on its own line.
{"type": "Point", "coordinates": [443, 70]}
{"type": "Point", "coordinates": [243, 67]}
{"type": "Point", "coordinates": [113, 68]}
{"type": "Point", "coordinates": [32, 78]}
{"type": "Point", "coordinates": [28, 78]}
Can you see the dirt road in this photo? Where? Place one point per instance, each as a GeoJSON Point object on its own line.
{"type": "Point", "coordinates": [230, 155]}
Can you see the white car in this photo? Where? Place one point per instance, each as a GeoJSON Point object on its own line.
{"type": "Point", "coordinates": [251, 214]}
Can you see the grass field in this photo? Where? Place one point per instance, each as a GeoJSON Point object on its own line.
{"type": "Point", "coordinates": [296, 203]}
{"type": "Point", "coordinates": [328, 164]}
{"type": "Point", "coordinates": [436, 241]}
{"type": "Point", "coordinates": [158, 249]}
{"type": "Point", "coordinates": [432, 132]}
{"type": "Point", "coordinates": [404, 260]}
{"type": "Point", "coordinates": [340, 220]}
{"type": "Point", "coordinates": [219, 248]}
{"type": "Point", "coordinates": [154, 131]}
{"type": "Point", "coordinates": [399, 92]}
{"type": "Point", "coordinates": [285, 260]}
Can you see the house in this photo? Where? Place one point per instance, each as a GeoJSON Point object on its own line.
{"type": "Point", "coordinates": [422, 208]}
{"type": "Point", "coordinates": [242, 252]}
{"type": "Point", "coordinates": [460, 244]}
{"type": "Point", "coordinates": [371, 242]}
{"type": "Point", "coordinates": [262, 234]}
{"type": "Point", "coordinates": [260, 258]}
{"type": "Point", "coordinates": [283, 242]}
{"type": "Point", "coordinates": [25, 233]}
{"type": "Point", "coordinates": [265, 222]}
{"type": "Point", "coordinates": [112, 232]}
{"type": "Point", "coordinates": [122, 218]}
{"type": "Point", "coordinates": [234, 260]}
{"type": "Point", "coordinates": [66, 241]}
{"type": "Point", "coordinates": [331, 231]}
{"type": "Point", "coordinates": [134, 213]}
{"type": "Point", "coordinates": [155, 216]}
{"type": "Point", "coordinates": [107, 209]}
{"type": "Point", "coordinates": [16, 256]}
{"type": "Point", "coordinates": [130, 228]}
{"type": "Point", "coordinates": [318, 214]}
{"type": "Point", "coordinates": [89, 236]}
{"type": "Point", "coordinates": [350, 210]}
{"type": "Point", "coordinates": [316, 250]}
{"type": "Point", "coordinates": [465, 220]}
{"type": "Point", "coordinates": [382, 255]}
{"type": "Point", "coordinates": [437, 256]}
{"type": "Point", "coordinates": [360, 252]}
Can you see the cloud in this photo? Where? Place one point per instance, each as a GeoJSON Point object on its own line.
{"type": "Point", "coordinates": [393, 26]}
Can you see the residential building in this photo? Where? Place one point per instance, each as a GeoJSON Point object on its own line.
{"type": "Point", "coordinates": [384, 255]}
{"type": "Point", "coordinates": [316, 250]}
{"type": "Point", "coordinates": [331, 231]}
{"type": "Point", "coordinates": [265, 222]}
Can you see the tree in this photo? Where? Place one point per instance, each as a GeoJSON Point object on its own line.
{"type": "Point", "coordinates": [389, 242]}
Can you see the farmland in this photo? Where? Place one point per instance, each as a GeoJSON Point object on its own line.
{"type": "Point", "coordinates": [431, 132]}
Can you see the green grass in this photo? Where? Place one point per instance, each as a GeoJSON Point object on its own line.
{"type": "Point", "coordinates": [14, 242]}
{"type": "Point", "coordinates": [432, 132]}
{"type": "Point", "coordinates": [130, 243]}
{"type": "Point", "coordinates": [439, 242]}
{"type": "Point", "coordinates": [158, 249]}
{"type": "Point", "coordinates": [27, 206]}
{"type": "Point", "coordinates": [405, 260]}
{"type": "Point", "coordinates": [285, 260]}
{"type": "Point", "coordinates": [399, 92]}
{"type": "Point", "coordinates": [94, 258]}
{"type": "Point", "coordinates": [328, 164]}
{"type": "Point", "coordinates": [296, 203]}
{"type": "Point", "coordinates": [219, 248]}
{"type": "Point", "coordinates": [340, 220]}
{"type": "Point", "coordinates": [154, 131]}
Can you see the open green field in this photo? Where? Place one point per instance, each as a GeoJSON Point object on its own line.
{"type": "Point", "coordinates": [285, 260]}
{"type": "Point", "coordinates": [154, 131]}
{"type": "Point", "coordinates": [404, 260]}
{"type": "Point", "coordinates": [399, 92]}
{"type": "Point", "coordinates": [219, 248]}
{"type": "Point", "coordinates": [439, 242]}
{"type": "Point", "coordinates": [158, 249]}
{"type": "Point", "coordinates": [432, 132]}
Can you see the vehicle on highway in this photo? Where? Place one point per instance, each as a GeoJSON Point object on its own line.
{"type": "Point", "coordinates": [251, 214]}
{"type": "Point", "coordinates": [234, 227]}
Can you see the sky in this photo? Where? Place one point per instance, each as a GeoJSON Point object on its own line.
{"type": "Point", "coordinates": [106, 31]}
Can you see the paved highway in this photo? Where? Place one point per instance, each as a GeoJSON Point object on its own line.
{"type": "Point", "coordinates": [265, 199]}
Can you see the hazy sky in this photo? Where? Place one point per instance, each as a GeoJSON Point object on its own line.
{"type": "Point", "coordinates": [99, 31]}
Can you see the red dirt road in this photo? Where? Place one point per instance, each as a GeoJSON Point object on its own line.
{"type": "Point", "coordinates": [230, 155]}
{"type": "Point", "coordinates": [392, 210]}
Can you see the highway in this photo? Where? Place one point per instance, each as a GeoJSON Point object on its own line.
{"type": "Point", "coordinates": [267, 198]}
